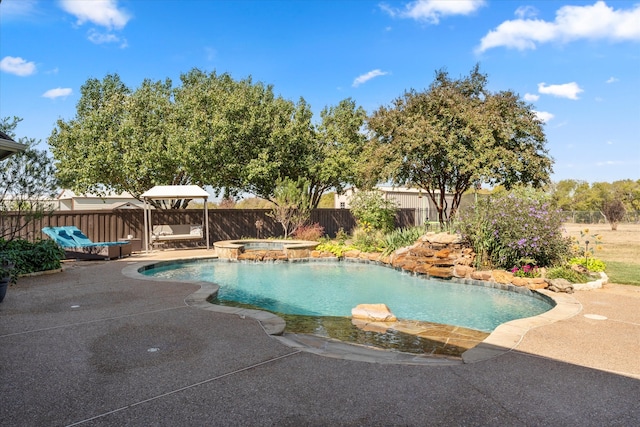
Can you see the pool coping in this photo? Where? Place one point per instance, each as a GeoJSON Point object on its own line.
{"type": "Point", "coordinates": [502, 340]}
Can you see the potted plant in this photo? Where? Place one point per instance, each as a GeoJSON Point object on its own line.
{"type": "Point", "coordinates": [7, 275]}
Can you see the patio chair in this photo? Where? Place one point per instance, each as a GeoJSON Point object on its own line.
{"type": "Point", "coordinates": [77, 245]}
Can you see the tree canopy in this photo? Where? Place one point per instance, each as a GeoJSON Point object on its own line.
{"type": "Point", "coordinates": [236, 136]}
{"type": "Point", "coordinates": [454, 135]}
{"type": "Point", "coordinates": [577, 195]}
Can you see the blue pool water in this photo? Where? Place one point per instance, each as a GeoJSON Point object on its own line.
{"type": "Point", "coordinates": [333, 289]}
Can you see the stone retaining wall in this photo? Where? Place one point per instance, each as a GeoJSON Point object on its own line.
{"type": "Point", "coordinates": [443, 256]}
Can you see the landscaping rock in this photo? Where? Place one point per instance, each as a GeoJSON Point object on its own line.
{"type": "Point", "coordinates": [462, 271]}
{"type": "Point", "coordinates": [533, 286]}
{"type": "Point", "coordinates": [442, 238]}
{"type": "Point", "coordinates": [443, 253]}
{"type": "Point", "coordinates": [321, 254]}
{"type": "Point", "coordinates": [354, 253]}
{"type": "Point", "coordinates": [520, 281]}
{"type": "Point", "coordinates": [465, 260]}
{"type": "Point", "coordinates": [374, 256]}
{"type": "Point", "coordinates": [560, 285]}
{"type": "Point", "coordinates": [422, 268]}
{"type": "Point", "coordinates": [502, 276]}
{"type": "Point", "coordinates": [481, 275]}
{"type": "Point", "coordinates": [442, 272]}
{"type": "Point", "coordinates": [373, 312]}
{"type": "Point", "coordinates": [422, 252]}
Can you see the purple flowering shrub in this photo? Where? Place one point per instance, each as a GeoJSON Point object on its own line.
{"type": "Point", "coordinates": [515, 229]}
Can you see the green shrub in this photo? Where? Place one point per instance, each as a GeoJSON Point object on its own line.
{"type": "Point", "coordinates": [31, 257]}
{"type": "Point", "coordinates": [342, 236]}
{"type": "Point", "coordinates": [338, 249]}
{"type": "Point", "coordinates": [591, 264]}
{"type": "Point", "coordinates": [402, 237]}
{"type": "Point", "coordinates": [372, 211]}
{"type": "Point", "coordinates": [522, 224]}
{"type": "Point", "coordinates": [568, 274]}
{"type": "Point", "coordinates": [368, 240]}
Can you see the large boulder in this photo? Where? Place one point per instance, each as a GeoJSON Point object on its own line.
{"type": "Point", "coordinates": [373, 312]}
{"type": "Point", "coordinates": [441, 272]}
{"type": "Point", "coordinates": [462, 271]}
{"type": "Point", "coordinates": [442, 238]}
{"type": "Point", "coordinates": [560, 285]}
{"type": "Point", "coordinates": [502, 276]}
{"type": "Point", "coordinates": [481, 275]}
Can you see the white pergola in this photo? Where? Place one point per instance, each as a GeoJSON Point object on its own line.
{"type": "Point", "coordinates": [171, 192]}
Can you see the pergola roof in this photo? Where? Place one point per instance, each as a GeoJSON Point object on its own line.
{"type": "Point", "coordinates": [175, 192]}
{"type": "Point", "coordinates": [8, 146]}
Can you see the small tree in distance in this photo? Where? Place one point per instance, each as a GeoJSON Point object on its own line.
{"type": "Point", "coordinates": [613, 211]}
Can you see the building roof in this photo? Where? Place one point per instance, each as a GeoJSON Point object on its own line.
{"type": "Point", "coordinates": [8, 146]}
{"type": "Point", "coordinates": [70, 194]}
{"type": "Point", "coordinates": [175, 192]}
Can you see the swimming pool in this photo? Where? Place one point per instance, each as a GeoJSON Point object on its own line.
{"type": "Point", "coordinates": [333, 289]}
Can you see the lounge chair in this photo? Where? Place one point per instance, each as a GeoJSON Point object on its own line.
{"type": "Point", "coordinates": [77, 245]}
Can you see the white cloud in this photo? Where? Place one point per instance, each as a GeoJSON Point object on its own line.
{"type": "Point", "coordinates": [15, 9]}
{"type": "Point", "coordinates": [567, 90]}
{"type": "Point", "coordinates": [17, 66]}
{"type": "Point", "coordinates": [101, 38]}
{"type": "Point", "coordinates": [57, 93]}
{"type": "Point", "coordinates": [368, 76]}
{"type": "Point", "coordinates": [610, 163]}
{"type": "Point", "coordinates": [526, 12]}
{"type": "Point", "coordinates": [543, 116]}
{"type": "Point", "coordinates": [612, 80]}
{"type": "Point", "coordinates": [531, 97]}
{"type": "Point", "coordinates": [593, 22]}
{"type": "Point", "coordinates": [432, 10]}
{"type": "Point", "coordinates": [104, 13]}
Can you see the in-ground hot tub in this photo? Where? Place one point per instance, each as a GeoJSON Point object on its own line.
{"type": "Point", "coordinates": [292, 249]}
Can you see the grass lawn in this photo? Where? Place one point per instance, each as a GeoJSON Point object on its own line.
{"type": "Point", "coordinates": [620, 249]}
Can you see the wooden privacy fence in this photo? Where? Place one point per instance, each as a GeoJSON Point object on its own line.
{"type": "Point", "coordinates": [224, 224]}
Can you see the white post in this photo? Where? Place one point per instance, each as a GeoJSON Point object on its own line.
{"type": "Point", "coordinates": [146, 228]}
{"type": "Point", "coordinates": [206, 220]}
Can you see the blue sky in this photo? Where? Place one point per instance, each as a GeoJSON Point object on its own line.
{"type": "Point", "coordinates": [576, 62]}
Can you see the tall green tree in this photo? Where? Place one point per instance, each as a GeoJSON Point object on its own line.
{"type": "Point", "coordinates": [120, 140]}
{"type": "Point", "coordinates": [338, 146]}
{"type": "Point", "coordinates": [572, 195]}
{"type": "Point", "coordinates": [237, 135]}
{"type": "Point", "coordinates": [628, 191]}
{"type": "Point", "coordinates": [453, 135]}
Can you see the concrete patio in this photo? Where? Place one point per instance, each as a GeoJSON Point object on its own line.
{"type": "Point", "coordinates": [92, 346]}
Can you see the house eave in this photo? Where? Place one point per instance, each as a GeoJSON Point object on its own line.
{"type": "Point", "coordinates": [9, 147]}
